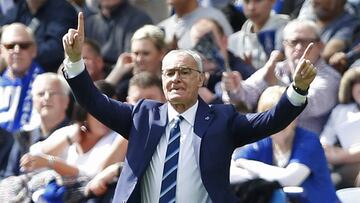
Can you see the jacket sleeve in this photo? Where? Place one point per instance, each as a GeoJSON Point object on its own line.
{"type": "Point", "coordinates": [114, 114]}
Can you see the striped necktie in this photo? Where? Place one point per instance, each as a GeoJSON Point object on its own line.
{"type": "Point", "coordinates": [168, 184]}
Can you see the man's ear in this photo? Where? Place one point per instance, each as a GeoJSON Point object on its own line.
{"type": "Point", "coordinates": [100, 62]}
{"type": "Point", "coordinates": [34, 51]}
{"type": "Point", "coordinates": [224, 41]}
{"type": "Point", "coordinates": [202, 80]}
{"type": "Point", "coordinates": [321, 45]}
{"type": "Point", "coordinates": [66, 102]}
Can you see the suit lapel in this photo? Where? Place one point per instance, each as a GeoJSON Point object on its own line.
{"type": "Point", "coordinates": [203, 119]}
{"type": "Point", "coordinates": [158, 122]}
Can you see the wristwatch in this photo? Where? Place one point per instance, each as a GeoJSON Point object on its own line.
{"type": "Point", "coordinates": [300, 91]}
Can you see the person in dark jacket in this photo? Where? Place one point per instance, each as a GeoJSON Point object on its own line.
{"type": "Point", "coordinates": [42, 16]}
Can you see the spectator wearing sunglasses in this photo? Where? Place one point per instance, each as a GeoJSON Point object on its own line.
{"type": "Point", "coordinates": [47, 25]}
{"type": "Point", "coordinates": [18, 48]}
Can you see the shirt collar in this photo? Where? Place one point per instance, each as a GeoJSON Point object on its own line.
{"type": "Point", "coordinates": [188, 115]}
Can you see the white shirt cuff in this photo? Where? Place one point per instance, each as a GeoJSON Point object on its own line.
{"type": "Point", "coordinates": [71, 69]}
{"type": "Point", "coordinates": [295, 98]}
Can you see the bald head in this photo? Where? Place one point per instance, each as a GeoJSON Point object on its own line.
{"type": "Point", "coordinates": [302, 25]}
{"type": "Point", "coordinates": [18, 48]}
{"type": "Point", "coordinates": [16, 31]}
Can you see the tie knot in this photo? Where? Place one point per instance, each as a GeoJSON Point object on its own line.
{"type": "Point", "coordinates": [177, 120]}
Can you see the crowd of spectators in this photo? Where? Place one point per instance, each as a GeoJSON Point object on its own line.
{"type": "Point", "coordinates": [45, 135]}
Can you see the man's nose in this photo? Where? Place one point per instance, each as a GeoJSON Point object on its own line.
{"type": "Point", "coordinates": [16, 48]}
{"type": "Point", "coordinates": [47, 95]}
{"type": "Point", "coordinates": [176, 76]}
{"type": "Point", "coordinates": [139, 58]}
{"type": "Point", "coordinates": [300, 46]}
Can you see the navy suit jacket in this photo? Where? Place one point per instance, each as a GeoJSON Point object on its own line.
{"type": "Point", "coordinates": [219, 129]}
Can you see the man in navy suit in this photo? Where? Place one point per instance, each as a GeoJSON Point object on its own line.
{"type": "Point", "coordinates": [208, 134]}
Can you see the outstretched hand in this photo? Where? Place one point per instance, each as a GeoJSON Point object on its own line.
{"type": "Point", "coordinates": [73, 40]}
{"type": "Point", "coordinates": [305, 71]}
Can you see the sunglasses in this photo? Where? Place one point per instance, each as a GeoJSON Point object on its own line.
{"type": "Point", "coordinates": [22, 45]}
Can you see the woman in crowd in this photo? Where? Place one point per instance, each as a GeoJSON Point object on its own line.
{"type": "Point", "coordinates": [293, 157]}
{"type": "Point", "coordinates": [147, 51]}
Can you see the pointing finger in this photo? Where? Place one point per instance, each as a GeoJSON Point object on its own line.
{"type": "Point", "coordinates": [80, 27]}
{"type": "Point", "coordinates": [307, 51]}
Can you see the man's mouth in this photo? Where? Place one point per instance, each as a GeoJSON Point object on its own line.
{"type": "Point", "coordinates": [176, 89]}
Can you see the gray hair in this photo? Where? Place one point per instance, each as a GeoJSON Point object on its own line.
{"type": "Point", "coordinates": [52, 76]}
{"type": "Point", "coordinates": [191, 53]}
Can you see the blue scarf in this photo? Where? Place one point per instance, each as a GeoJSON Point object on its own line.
{"type": "Point", "coordinates": [15, 99]}
{"type": "Point", "coordinates": [267, 40]}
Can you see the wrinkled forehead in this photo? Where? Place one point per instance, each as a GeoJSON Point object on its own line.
{"type": "Point", "coordinates": [178, 60]}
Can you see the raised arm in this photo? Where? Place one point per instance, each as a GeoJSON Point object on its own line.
{"type": "Point", "coordinates": [114, 114]}
{"type": "Point", "coordinates": [290, 105]}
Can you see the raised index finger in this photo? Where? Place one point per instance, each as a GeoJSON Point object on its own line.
{"type": "Point", "coordinates": [80, 27]}
{"type": "Point", "coordinates": [307, 51]}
